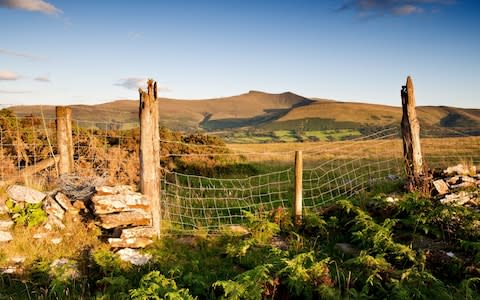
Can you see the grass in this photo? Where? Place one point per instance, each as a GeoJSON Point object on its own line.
{"type": "Point", "coordinates": [395, 251]}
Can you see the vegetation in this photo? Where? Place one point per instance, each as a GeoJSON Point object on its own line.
{"type": "Point", "coordinates": [352, 249]}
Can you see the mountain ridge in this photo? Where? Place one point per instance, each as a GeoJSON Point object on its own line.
{"type": "Point", "coordinates": [267, 111]}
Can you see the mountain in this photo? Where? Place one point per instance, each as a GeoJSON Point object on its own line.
{"type": "Point", "coordinates": [266, 112]}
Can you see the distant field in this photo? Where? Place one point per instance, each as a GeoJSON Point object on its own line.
{"type": "Point", "coordinates": [290, 136]}
{"type": "Point", "coordinates": [439, 152]}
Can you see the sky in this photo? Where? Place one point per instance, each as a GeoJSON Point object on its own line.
{"type": "Point", "coordinates": [89, 51]}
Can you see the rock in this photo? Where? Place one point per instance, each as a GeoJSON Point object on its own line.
{"type": "Point", "coordinates": [457, 199]}
{"type": "Point", "coordinates": [17, 259]}
{"type": "Point", "coordinates": [3, 207]}
{"type": "Point", "coordinates": [346, 248]}
{"type": "Point", "coordinates": [453, 180]}
{"type": "Point", "coordinates": [107, 204]}
{"type": "Point", "coordinates": [40, 235]}
{"type": "Point", "coordinates": [56, 241]}
{"type": "Point", "coordinates": [64, 201]}
{"type": "Point", "coordinates": [10, 270]}
{"type": "Point", "coordinates": [236, 229]}
{"type": "Point", "coordinates": [5, 236]}
{"type": "Point", "coordinates": [143, 231]}
{"type": "Point", "coordinates": [129, 243]}
{"type": "Point", "coordinates": [52, 208]}
{"type": "Point", "coordinates": [134, 256]}
{"type": "Point", "coordinates": [391, 199]}
{"type": "Point", "coordinates": [129, 218]}
{"type": "Point", "coordinates": [114, 190]}
{"type": "Point", "coordinates": [53, 223]}
{"type": "Point", "coordinates": [19, 193]}
{"type": "Point", "coordinates": [463, 185]}
{"type": "Point", "coordinates": [460, 170]}
{"type": "Point", "coordinates": [441, 186]}
{"type": "Point", "coordinates": [467, 179]}
{"type": "Point", "coordinates": [6, 224]}
{"type": "Point", "coordinates": [79, 205]}
{"type": "Point", "coordinates": [64, 269]}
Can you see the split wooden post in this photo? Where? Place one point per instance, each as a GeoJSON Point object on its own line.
{"type": "Point", "coordinates": [412, 151]}
{"type": "Point", "coordinates": [150, 151]}
{"type": "Point", "coordinates": [298, 200]}
{"type": "Point", "coordinates": [64, 139]}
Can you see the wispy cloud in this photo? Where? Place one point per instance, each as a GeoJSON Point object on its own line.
{"type": "Point", "coordinates": [42, 79]}
{"type": "Point", "coordinates": [14, 92]}
{"type": "Point", "coordinates": [134, 35]}
{"type": "Point", "coordinates": [20, 54]}
{"type": "Point", "coordinates": [374, 8]}
{"type": "Point", "coordinates": [8, 75]}
{"type": "Point", "coordinates": [31, 5]}
{"type": "Point", "coordinates": [134, 83]}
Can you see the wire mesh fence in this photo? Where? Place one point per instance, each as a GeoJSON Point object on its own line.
{"type": "Point", "coordinates": [207, 184]}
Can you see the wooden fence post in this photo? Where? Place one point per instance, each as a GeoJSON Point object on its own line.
{"type": "Point", "coordinates": [64, 139]}
{"type": "Point", "coordinates": [150, 151]}
{"type": "Point", "coordinates": [298, 200]}
{"type": "Point", "coordinates": [412, 151]}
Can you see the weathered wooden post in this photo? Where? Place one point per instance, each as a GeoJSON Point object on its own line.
{"type": "Point", "coordinates": [64, 139]}
{"type": "Point", "coordinates": [298, 200]}
{"type": "Point", "coordinates": [412, 151]}
{"type": "Point", "coordinates": [150, 151]}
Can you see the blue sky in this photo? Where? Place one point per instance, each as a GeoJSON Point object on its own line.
{"type": "Point", "coordinates": [85, 52]}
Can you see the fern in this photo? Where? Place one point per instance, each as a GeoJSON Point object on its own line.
{"type": "Point", "coordinates": [156, 286]}
{"type": "Point", "coordinates": [250, 285]}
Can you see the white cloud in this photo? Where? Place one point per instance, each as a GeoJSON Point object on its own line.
{"type": "Point", "coordinates": [406, 9]}
{"type": "Point", "coordinates": [134, 83]}
{"type": "Point", "coordinates": [20, 54]}
{"type": "Point", "coordinates": [31, 5]}
{"type": "Point", "coordinates": [8, 75]}
{"type": "Point", "coordinates": [14, 92]}
{"type": "Point", "coordinates": [42, 79]}
{"type": "Point", "coordinates": [373, 8]}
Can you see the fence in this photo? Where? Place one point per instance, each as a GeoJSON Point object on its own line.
{"type": "Point", "coordinates": [206, 184]}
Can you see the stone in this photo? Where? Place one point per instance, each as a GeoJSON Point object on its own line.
{"type": "Point", "coordinates": [79, 205]}
{"type": "Point", "coordinates": [19, 193]}
{"type": "Point", "coordinates": [463, 185]}
{"type": "Point", "coordinates": [391, 199]}
{"type": "Point", "coordinates": [40, 235]}
{"type": "Point", "coordinates": [453, 180]}
{"type": "Point", "coordinates": [64, 201]}
{"type": "Point", "coordinates": [56, 241]}
{"type": "Point", "coordinates": [53, 223]}
{"type": "Point", "coordinates": [134, 256]}
{"type": "Point", "coordinates": [467, 179]}
{"type": "Point", "coordinates": [143, 231]}
{"type": "Point", "coordinates": [457, 199]}
{"type": "Point", "coordinates": [17, 260]}
{"type": "Point", "coordinates": [64, 268]}
{"type": "Point", "coordinates": [129, 218]}
{"type": "Point", "coordinates": [236, 229]}
{"type": "Point", "coordinates": [346, 248]}
{"type": "Point", "coordinates": [107, 204]}
{"type": "Point", "coordinates": [5, 236]}
{"type": "Point", "coordinates": [129, 243]}
{"type": "Point", "coordinates": [52, 208]}
{"type": "Point", "coordinates": [6, 224]}
{"type": "Point", "coordinates": [441, 186]}
{"type": "Point", "coordinates": [114, 190]}
{"type": "Point", "coordinates": [460, 170]}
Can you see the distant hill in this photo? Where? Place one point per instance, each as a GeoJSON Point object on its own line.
{"type": "Point", "coordinates": [262, 111]}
